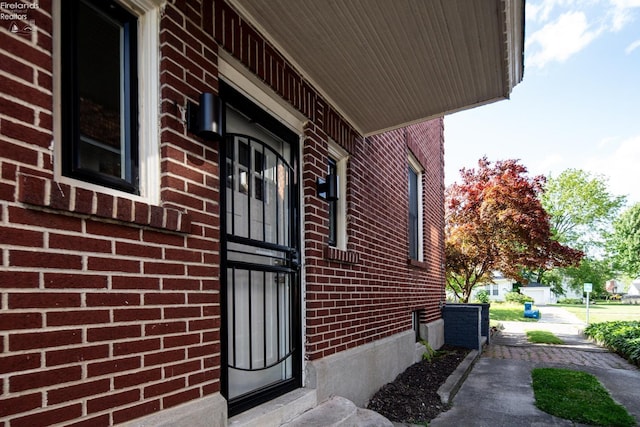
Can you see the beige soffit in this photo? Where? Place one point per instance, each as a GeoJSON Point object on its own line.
{"type": "Point", "coordinates": [384, 64]}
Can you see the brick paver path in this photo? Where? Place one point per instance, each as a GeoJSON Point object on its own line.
{"type": "Point", "coordinates": [511, 343]}
{"type": "Point", "coordinates": [556, 354]}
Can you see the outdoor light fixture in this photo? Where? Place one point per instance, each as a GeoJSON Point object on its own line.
{"type": "Point", "coordinates": [205, 119]}
{"type": "Point", "coordinates": [328, 188]}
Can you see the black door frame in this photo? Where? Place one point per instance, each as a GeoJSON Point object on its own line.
{"type": "Point", "coordinates": [234, 98]}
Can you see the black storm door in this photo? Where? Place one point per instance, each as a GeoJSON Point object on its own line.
{"type": "Point", "coordinates": [261, 282]}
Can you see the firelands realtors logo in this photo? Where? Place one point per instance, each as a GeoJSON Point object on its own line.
{"type": "Point", "coordinates": [15, 15]}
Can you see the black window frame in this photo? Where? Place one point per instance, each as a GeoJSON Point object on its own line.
{"type": "Point", "coordinates": [414, 213]}
{"type": "Point", "coordinates": [70, 102]}
{"type": "Point", "coordinates": [332, 169]}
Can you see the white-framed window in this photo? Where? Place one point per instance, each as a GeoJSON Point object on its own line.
{"type": "Point", "coordinates": [106, 85]}
{"type": "Point", "coordinates": [337, 164]}
{"type": "Point", "coordinates": [415, 172]}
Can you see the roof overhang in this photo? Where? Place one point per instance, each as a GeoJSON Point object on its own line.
{"type": "Point", "coordinates": [384, 64]}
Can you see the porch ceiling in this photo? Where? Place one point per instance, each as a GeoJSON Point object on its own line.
{"type": "Point", "coordinates": [388, 63]}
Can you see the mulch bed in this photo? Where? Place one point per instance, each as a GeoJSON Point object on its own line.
{"type": "Point", "coordinates": [412, 397]}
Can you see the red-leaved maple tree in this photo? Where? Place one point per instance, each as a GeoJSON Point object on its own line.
{"type": "Point", "coordinates": [495, 222]}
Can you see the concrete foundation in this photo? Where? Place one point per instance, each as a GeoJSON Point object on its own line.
{"type": "Point", "coordinates": [420, 350]}
{"type": "Point", "coordinates": [358, 373]}
{"type": "Point", "coordinates": [210, 411]}
{"type": "Point", "coordinates": [433, 333]}
{"type": "Point", "coordinates": [355, 374]}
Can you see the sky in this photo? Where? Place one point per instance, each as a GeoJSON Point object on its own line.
{"type": "Point", "coordinates": [578, 105]}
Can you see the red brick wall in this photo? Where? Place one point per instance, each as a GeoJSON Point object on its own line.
{"type": "Point", "coordinates": [349, 304]}
{"type": "Point", "coordinates": [110, 307]}
{"type": "Point", "coordinates": [369, 291]}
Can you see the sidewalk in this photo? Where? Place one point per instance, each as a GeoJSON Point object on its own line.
{"type": "Point", "coordinates": [498, 390]}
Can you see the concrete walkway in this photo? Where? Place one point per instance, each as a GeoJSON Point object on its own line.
{"type": "Point", "coordinates": [498, 390]}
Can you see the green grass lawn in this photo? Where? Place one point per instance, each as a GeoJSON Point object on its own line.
{"type": "Point", "coordinates": [603, 311]}
{"type": "Point", "coordinates": [508, 312]}
{"type": "Point", "coordinates": [543, 337]}
{"type": "Point", "coordinates": [577, 396]}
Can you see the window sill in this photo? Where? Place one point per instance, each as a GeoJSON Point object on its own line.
{"type": "Point", "coordinates": [417, 264]}
{"type": "Point", "coordinates": [346, 257]}
{"type": "Point", "coordinates": [45, 192]}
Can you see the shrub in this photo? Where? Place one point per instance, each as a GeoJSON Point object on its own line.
{"type": "Point", "coordinates": [483, 296]}
{"type": "Point", "coordinates": [517, 297]}
{"type": "Point", "coordinates": [429, 351]}
{"type": "Point", "coordinates": [570, 301]}
{"type": "Point", "coordinates": [620, 336]}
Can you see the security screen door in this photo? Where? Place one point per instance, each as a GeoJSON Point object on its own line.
{"type": "Point", "coordinates": [261, 272]}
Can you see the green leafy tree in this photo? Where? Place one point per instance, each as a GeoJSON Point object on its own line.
{"type": "Point", "coordinates": [494, 221]}
{"type": "Point", "coordinates": [624, 242]}
{"type": "Point", "coordinates": [591, 270]}
{"type": "Point", "coordinates": [483, 296]}
{"type": "Point", "coordinates": [581, 210]}
{"type": "Point", "coordinates": [555, 279]}
{"type": "Point", "coordinates": [580, 207]}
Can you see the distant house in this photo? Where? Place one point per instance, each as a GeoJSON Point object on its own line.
{"type": "Point", "coordinates": [633, 294]}
{"type": "Point", "coordinates": [571, 293]}
{"type": "Point", "coordinates": [634, 288]}
{"type": "Point", "coordinates": [540, 293]}
{"type": "Point", "coordinates": [612, 286]}
{"type": "Point", "coordinates": [568, 293]}
{"type": "Point", "coordinates": [497, 289]}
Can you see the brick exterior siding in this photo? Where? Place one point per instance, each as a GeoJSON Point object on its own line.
{"type": "Point", "coordinates": [369, 292]}
{"type": "Point", "coordinates": [110, 307]}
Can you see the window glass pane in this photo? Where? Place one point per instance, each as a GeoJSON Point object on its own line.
{"type": "Point", "coordinates": [243, 166]}
{"type": "Point", "coordinates": [333, 208]}
{"type": "Point", "coordinates": [100, 89]}
{"type": "Point", "coordinates": [243, 155]}
{"type": "Point", "coordinates": [272, 205]}
{"type": "Point", "coordinates": [413, 214]}
{"type": "Point", "coordinates": [258, 168]}
{"type": "Point", "coordinates": [99, 99]}
{"type": "Point", "coordinates": [231, 156]}
{"type": "Point", "coordinates": [258, 164]}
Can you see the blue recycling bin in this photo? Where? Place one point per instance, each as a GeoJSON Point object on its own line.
{"type": "Point", "coordinates": [529, 312]}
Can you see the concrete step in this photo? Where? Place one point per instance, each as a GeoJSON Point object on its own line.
{"type": "Point", "coordinates": [339, 412]}
{"type": "Point", "coordinates": [277, 411]}
{"type": "Point", "coordinates": [368, 418]}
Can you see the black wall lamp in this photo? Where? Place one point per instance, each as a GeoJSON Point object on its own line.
{"type": "Point", "coordinates": [205, 119]}
{"type": "Point", "coordinates": [328, 188]}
